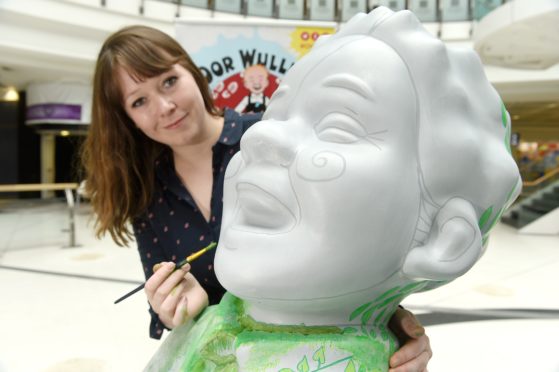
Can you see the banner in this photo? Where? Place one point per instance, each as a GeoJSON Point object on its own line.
{"type": "Point", "coordinates": [58, 103]}
{"type": "Point", "coordinates": [244, 61]}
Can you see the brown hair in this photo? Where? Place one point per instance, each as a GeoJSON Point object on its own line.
{"type": "Point", "coordinates": [118, 158]}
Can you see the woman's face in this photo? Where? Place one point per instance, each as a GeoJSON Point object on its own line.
{"type": "Point", "coordinates": [167, 108]}
{"type": "Point", "coordinates": [324, 199]}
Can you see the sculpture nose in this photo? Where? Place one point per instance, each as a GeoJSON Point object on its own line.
{"type": "Point", "coordinates": [269, 141]}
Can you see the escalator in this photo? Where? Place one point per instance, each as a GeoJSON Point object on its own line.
{"type": "Point", "coordinates": [537, 209]}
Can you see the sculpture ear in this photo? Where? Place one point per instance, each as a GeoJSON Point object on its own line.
{"type": "Point", "coordinates": [453, 246]}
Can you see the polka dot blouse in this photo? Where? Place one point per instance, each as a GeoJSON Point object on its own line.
{"type": "Point", "coordinates": [173, 228]}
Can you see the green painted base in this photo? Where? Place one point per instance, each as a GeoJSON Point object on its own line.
{"type": "Point", "coordinates": [224, 338]}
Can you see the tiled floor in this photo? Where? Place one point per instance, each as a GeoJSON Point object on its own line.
{"type": "Point", "coordinates": [57, 311]}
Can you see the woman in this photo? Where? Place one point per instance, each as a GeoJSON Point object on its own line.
{"type": "Point", "coordinates": [155, 156]}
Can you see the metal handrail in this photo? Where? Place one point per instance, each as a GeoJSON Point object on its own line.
{"type": "Point", "coordinates": [68, 189]}
{"type": "Point", "coordinates": [542, 179]}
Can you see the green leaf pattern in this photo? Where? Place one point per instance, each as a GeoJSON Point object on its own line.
{"type": "Point", "coordinates": [319, 356]}
{"type": "Point", "coordinates": [303, 365]}
{"type": "Point", "coordinates": [375, 314]}
{"type": "Point", "coordinates": [486, 215]}
{"type": "Point", "coordinates": [350, 367]}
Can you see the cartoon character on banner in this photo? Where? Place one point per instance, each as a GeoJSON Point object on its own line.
{"type": "Point", "coordinates": [255, 80]}
{"type": "Point", "coordinates": [380, 166]}
{"type": "Point", "coordinates": [248, 91]}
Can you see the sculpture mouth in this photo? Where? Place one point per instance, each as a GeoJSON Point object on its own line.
{"type": "Point", "coordinates": [261, 210]}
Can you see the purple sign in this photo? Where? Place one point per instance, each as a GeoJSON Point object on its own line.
{"type": "Point", "coordinates": [53, 111]}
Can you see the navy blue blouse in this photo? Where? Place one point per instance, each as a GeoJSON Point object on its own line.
{"type": "Point", "coordinates": [173, 227]}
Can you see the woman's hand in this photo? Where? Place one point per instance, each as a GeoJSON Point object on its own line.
{"type": "Point", "coordinates": [415, 352]}
{"type": "Point", "coordinates": [176, 296]}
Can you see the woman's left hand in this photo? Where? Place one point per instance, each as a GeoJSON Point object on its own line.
{"type": "Point", "coordinates": [415, 350]}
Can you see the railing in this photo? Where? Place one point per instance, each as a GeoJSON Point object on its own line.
{"type": "Point", "coordinates": [529, 187]}
{"type": "Point", "coordinates": [438, 11]}
{"type": "Point", "coordinates": [68, 189]}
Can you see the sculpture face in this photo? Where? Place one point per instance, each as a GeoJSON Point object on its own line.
{"type": "Point", "coordinates": [323, 199]}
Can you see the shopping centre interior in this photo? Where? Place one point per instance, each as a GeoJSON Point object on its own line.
{"type": "Point", "coordinates": [59, 281]}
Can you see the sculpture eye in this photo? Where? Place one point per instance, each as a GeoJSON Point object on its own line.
{"type": "Point", "coordinates": [337, 135]}
{"type": "Point", "coordinates": [339, 128]}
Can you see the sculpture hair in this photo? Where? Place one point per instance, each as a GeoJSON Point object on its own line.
{"type": "Point", "coordinates": [458, 111]}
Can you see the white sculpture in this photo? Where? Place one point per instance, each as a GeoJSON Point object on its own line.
{"type": "Point", "coordinates": [380, 166]}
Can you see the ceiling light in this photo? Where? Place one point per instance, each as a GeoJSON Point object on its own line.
{"type": "Point", "coordinates": [9, 94]}
{"type": "Point", "coordinates": [64, 133]}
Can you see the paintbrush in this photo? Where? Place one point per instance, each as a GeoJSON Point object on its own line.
{"type": "Point", "coordinates": [188, 259]}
